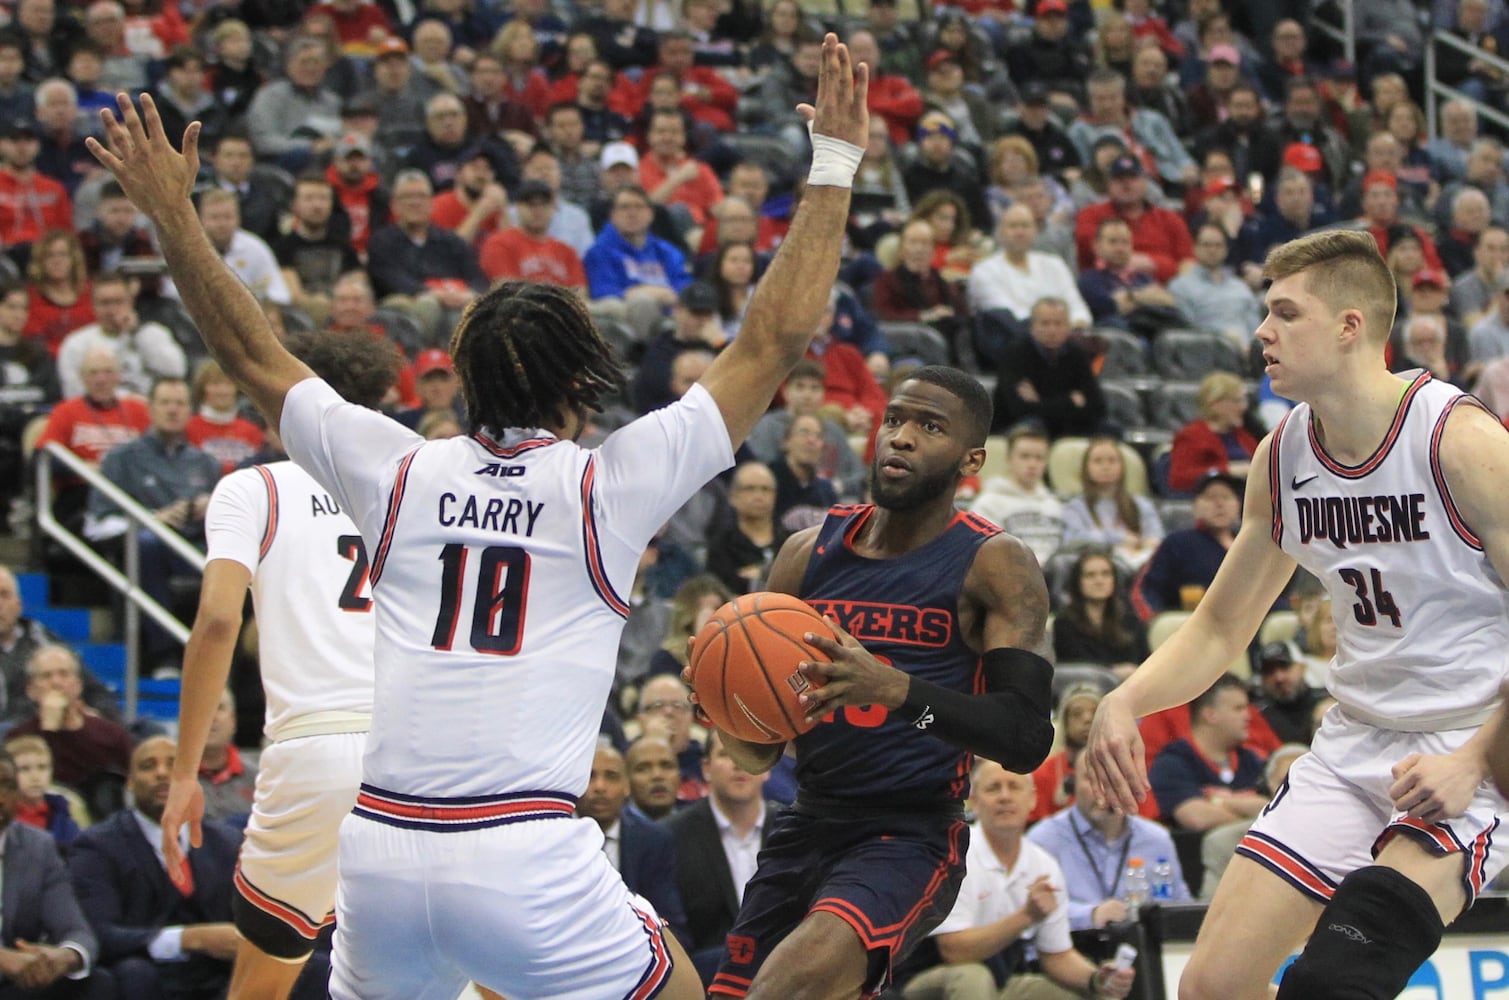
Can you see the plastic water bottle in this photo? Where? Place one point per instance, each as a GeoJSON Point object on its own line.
{"type": "Point", "coordinates": [1162, 890]}
{"type": "Point", "coordinates": [1134, 887]}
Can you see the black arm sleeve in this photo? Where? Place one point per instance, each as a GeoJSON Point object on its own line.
{"type": "Point", "coordinates": [1010, 723]}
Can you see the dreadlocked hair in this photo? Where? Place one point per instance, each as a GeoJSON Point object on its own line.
{"type": "Point", "coordinates": [525, 350]}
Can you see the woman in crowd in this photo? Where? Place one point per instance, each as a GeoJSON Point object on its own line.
{"type": "Point", "coordinates": [217, 425]}
{"type": "Point", "coordinates": [524, 81]}
{"type": "Point", "coordinates": [1013, 163]}
{"type": "Point", "coordinates": [1106, 513]}
{"type": "Point", "coordinates": [879, 203]}
{"type": "Point", "coordinates": [581, 49]}
{"type": "Point", "coordinates": [58, 287]}
{"type": "Point", "coordinates": [733, 277]}
{"type": "Point", "coordinates": [1098, 624]}
{"type": "Point", "coordinates": [1406, 122]}
{"type": "Point", "coordinates": [957, 245]}
{"type": "Point", "coordinates": [1115, 45]}
{"type": "Point", "coordinates": [1216, 441]}
{"type": "Point", "coordinates": [784, 24]}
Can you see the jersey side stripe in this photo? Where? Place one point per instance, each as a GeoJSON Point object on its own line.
{"type": "Point", "coordinates": [594, 554]}
{"type": "Point", "coordinates": [1357, 472]}
{"type": "Point", "coordinates": [271, 528]}
{"type": "Point", "coordinates": [977, 523]}
{"type": "Point", "coordinates": [1458, 523]}
{"type": "Point", "coordinates": [395, 500]}
{"type": "Point", "coordinates": [1275, 481]}
{"type": "Point", "coordinates": [659, 971]}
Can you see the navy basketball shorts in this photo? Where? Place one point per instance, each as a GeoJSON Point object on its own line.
{"type": "Point", "coordinates": [892, 878]}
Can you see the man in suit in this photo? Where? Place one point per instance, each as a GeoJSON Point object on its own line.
{"type": "Point", "coordinates": [643, 852]}
{"type": "Point", "coordinates": [37, 904]}
{"type": "Point", "coordinates": [158, 942]}
{"type": "Point", "coordinates": [718, 839]}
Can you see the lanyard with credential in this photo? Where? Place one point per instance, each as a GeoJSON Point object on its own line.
{"type": "Point", "coordinates": [1109, 891]}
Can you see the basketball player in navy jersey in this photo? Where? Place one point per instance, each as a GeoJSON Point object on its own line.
{"type": "Point", "coordinates": [940, 617]}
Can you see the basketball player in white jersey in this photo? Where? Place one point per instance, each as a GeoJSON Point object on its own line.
{"type": "Point", "coordinates": [274, 529]}
{"type": "Point", "coordinates": [498, 565]}
{"type": "Point", "coordinates": [1390, 490]}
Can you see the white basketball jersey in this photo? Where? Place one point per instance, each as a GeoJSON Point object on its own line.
{"type": "Point", "coordinates": [1422, 618]}
{"type": "Point", "coordinates": [315, 625]}
{"type": "Point", "coordinates": [501, 569]}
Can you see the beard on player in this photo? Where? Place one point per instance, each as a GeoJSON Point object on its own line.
{"type": "Point", "coordinates": [915, 492]}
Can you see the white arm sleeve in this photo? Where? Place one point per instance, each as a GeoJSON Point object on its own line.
{"type": "Point", "coordinates": [237, 520]}
{"type": "Point", "coordinates": [348, 449]}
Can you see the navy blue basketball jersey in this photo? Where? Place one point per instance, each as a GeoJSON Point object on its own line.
{"type": "Point", "coordinates": [905, 612]}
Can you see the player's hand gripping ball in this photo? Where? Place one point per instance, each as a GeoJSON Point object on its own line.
{"type": "Point", "coordinates": [743, 666]}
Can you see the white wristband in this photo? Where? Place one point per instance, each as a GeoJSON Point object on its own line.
{"type": "Point", "coordinates": [834, 161]}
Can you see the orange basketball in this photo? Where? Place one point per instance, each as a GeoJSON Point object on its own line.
{"type": "Point", "coordinates": [744, 665]}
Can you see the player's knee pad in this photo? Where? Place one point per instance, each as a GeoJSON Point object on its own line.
{"type": "Point", "coordinates": [268, 932]}
{"type": "Point", "coordinates": [1371, 937]}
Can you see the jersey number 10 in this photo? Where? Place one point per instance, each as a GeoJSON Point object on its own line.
{"type": "Point", "coordinates": [502, 591]}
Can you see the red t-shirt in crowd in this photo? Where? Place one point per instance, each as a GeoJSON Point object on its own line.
{"type": "Point", "coordinates": [232, 443]}
{"type": "Point", "coordinates": [90, 430]}
{"type": "Point", "coordinates": [514, 254]}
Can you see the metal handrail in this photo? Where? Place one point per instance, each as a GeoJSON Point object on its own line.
{"type": "Point", "coordinates": [1435, 89]}
{"type": "Point", "coordinates": [1345, 33]}
{"type": "Point", "coordinates": [124, 583]}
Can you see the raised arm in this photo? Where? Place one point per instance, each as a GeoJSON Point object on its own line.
{"type": "Point", "coordinates": [158, 180]}
{"type": "Point", "coordinates": [791, 298]}
{"type": "Point", "coordinates": [1253, 574]}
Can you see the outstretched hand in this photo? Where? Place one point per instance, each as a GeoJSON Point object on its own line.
{"type": "Point", "coordinates": [154, 175]}
{"type": "Point", "coordinates": [843, 91]}
{"type": "Point", "coordinates": [1116, 777]}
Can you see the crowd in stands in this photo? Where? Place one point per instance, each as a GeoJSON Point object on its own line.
{"type": "Point", "coordinates": [1070, 198]}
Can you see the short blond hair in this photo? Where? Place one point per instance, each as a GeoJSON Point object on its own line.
{"type": "Point", "coordinates": [1343, 269]}
{"type": "Point", "coordinates": [1218, 386]}
{"type": "Point", "coordinates": [18, 746]}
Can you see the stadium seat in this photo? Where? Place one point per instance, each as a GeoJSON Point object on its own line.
{"type": "Point", "coordinates": [1174, 405]}
{"type": "Point", "coordinates": [995, 458]}
{"type": "Point", "coordinates": [1123, 404]}
{"type": "Point", "coordinates": [1279, 626]}
{"type": "Point", "coordinates": [1166, 623]}
{"type": "Point", "coordinates": [1067, 675]}
{"type": "Point", "coordinates": [1163, 625]}
{"type": "Point", "coordinates": [916, 340]}
{"type": "Point", "coordinates": [1126, 354]}
{"type": "Point", "coordinates": [1176, 515]}
{"type": "Point", "coordinates": [621, 337]}
{"type": "Point", "coordinates": [401, 329]}
{"type": "Point", "coordinates": [778, 159]}
{"type": "Point", "coordinates": [1190, 354]}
